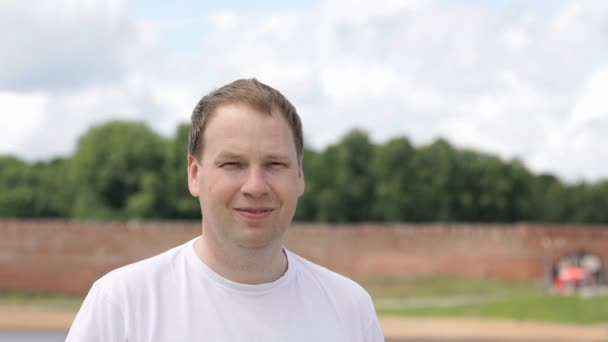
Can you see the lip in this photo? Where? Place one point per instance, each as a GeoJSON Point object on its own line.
{"type": "Point", "coordinates": [254, 214]}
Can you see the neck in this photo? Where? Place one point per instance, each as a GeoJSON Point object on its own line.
{"type": "Point", "coordinates": [242, 265]}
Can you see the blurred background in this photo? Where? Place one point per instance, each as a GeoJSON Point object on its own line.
{"type": "Point", "coordinates": [455, 151]}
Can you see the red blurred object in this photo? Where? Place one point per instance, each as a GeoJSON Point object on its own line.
{"type": "Point", "coordinates": [572, 273]}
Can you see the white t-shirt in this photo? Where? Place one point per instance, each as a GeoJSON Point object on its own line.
{"type": "Point", "coordinates": [174, 296]}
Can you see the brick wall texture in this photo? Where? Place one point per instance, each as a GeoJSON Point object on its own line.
{"type": "Point", "coordinates": [67, 256]}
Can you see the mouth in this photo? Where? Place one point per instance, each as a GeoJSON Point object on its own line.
{"type": "Point", "coordinates": [254, 210]}
{"type": "Point", "coordinates": [254, 213]}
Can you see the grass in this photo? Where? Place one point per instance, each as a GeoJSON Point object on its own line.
{"type": "Point", "coordinates": [497, 299]}
{"type": "Point", "coordinates": [39, 300]}
{"type": "Point", "coordinates": [409, 287]}
{"type": "Point", "coordinates": [548, 308]}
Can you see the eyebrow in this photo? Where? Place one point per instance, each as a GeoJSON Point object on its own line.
{"type": "Point", "coordinates": [277, 157]}
{"type": "Point", "coordinates": [232, 155]}
{"type": "Point", "coordinates": [228, 155]}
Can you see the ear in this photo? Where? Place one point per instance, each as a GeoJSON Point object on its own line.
{"type": "Point", "coordinates": [193, 182]}
{"type": "Point", "coordinates": [301, 180]}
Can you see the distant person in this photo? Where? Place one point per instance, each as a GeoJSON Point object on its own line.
{"type": "Point", "coordinates": [236, 281]}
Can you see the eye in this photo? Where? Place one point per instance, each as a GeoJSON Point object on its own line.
{"type": "Point", "coordinates": [277, 165]}
{"type": "Point", "coordinates": [230, 165]}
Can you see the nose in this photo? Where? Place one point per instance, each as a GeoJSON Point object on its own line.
{"type": "Point", "coordinates": [255, 184]}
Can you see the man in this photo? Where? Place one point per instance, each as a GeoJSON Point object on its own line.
{"type": "Point", "coordinates": [235, 282]}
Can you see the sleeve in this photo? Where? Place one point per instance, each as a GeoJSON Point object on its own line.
{"type": "Point", "coordinates": [372, 332]}
{"type": "Point", "coordinates": [99, 319]}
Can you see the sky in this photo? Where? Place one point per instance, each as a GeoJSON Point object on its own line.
{"type": "Point", "coordinates": [519, 79]}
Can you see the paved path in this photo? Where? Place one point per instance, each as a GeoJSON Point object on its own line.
{"type": "Point", "coordinates": [466, 340]}
{"type": "Point", "coordinates": [20, 336]}
{"type": "Point", "coordinates": [478, 330]}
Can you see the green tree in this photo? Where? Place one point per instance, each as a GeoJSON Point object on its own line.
{"type": "Point", "coordinates": [313, 173]}
{"type": "Point", "coordinates": [346, 186]}
{"type": "Point", "coordinates": [16, 197]}
{"type": "Point", "coordinates": [433, 180]}
{"type": "Point", "coordinates": [489, 184]}
{"type": "Point", "coordinates": [117, 167]}
{"type": "Point", "coordinates": [123, 170]}
{"type": "Point", "coordinates": [588, 203]}
{"type": "Point", "coordinates": [393, 176]}
{"type": "Point", "coordinates": [34, 190]}
{"type": "Point", "coordinates": [181, 204]}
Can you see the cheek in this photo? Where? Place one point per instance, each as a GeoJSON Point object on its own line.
{"type": "Point", "coordinates": [287, 188]}
{"type": "Point", "coordinates": [220, 193]}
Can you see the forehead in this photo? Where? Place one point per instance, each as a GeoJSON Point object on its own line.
{"type": "Point", "coordinates": [237, 126]}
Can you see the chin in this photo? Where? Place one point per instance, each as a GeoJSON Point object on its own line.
{"type": "Point", "coordinates": [259, 239]}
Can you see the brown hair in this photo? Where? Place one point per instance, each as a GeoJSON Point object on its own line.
{"type": "Point", "coordinates": [248, 91]}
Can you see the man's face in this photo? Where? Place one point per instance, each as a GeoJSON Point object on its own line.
{"type": "Point", "coordinates": [248, 177]}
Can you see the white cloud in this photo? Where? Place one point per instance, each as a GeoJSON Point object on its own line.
{"type": "Point", "coordinates": [68, 116]}
{"type": "Point", "coordinates": [350, 78]}
{"type": "Point", "coordinates": [529, 84]}
{"type": "Point", "coordinates": [593, 104]}
{"type": "Point", "coordinates": [577, 145]}
{"type": "Point", "coordinates": [62, 45]}
{"type": "Point", "coordinates": [225, 21]}
{"type": "Point", "coordinates": [517, 38]}
{"type": "Point", "coordinates": [21, 115]}
{"type": "Point", "coordinates": [567, 17]}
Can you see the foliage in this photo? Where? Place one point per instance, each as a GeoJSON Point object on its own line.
{"type": "Point", "coordinates": [118, 168]}
{"type": "Point", "coordinates": [123, 170]}
{"type": "Point", "coordinates": [33, 190]}
{"type": "Point", "coordinates": [179, 203]}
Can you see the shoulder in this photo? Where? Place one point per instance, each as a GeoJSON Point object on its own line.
{"type": "Point", "coordinates": [347, 299]}
{"type": "Point", "coordinates": [118, 302]}
{"type": "Point", "coordinates": [139, 276]}
{"type": "Point", "coordinates": [336, 285]}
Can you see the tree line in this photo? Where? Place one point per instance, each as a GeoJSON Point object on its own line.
{"type": "Point", "coordinates": [123, 170]}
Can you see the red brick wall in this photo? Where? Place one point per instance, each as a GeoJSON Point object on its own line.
{"type": "Point", "coordinates": [67, 256]}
